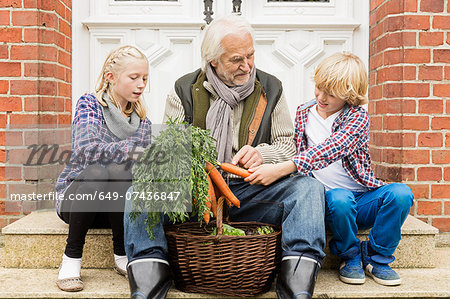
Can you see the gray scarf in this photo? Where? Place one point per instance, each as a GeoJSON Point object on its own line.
{"type": "Point", "coordinates": [218, 118]}
{"type": "Point", "coordinates": [121, 126]}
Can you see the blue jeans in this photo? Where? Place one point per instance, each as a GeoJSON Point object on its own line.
{"type": "Point", "coordinates": [384, 209]}
{"type": "Point", "coordinates": [296, 203]}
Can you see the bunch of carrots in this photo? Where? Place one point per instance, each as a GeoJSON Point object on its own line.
{"type": "Point", "coordinates": [218, 186]}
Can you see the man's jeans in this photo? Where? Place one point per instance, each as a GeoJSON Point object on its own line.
{"type": "Point", "coordinates": [384, 209]}
{"type": "Point", "coordinates": [296, 203]}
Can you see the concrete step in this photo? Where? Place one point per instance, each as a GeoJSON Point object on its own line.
{"type": "Point", "coordinates": [38, 241]}
{"type": "Point", "coordinates": [105, 283]}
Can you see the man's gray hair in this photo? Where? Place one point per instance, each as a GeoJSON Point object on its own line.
{"type": "Point", "coordinates": [211, 48]}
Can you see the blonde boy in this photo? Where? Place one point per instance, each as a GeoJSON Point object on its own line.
{"type": "Point", "coordinates": [332, 135]}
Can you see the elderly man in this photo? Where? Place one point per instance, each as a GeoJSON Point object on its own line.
{"type": "Point", "coordinates": [248, 115]}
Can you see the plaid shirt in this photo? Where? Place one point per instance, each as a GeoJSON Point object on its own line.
{"type": "Point", "coordinates": [349, 141]}
{"type": "Point", "coordinates": [93, 142]}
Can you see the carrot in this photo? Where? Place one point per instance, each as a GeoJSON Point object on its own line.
{"type": "Point", "coordinates": [228, 167]}
{"type": "Point", "coordinates": [212, 197]}
{"type": "Point", "coordinates": [217, 178]}
{"type": "Point", "coordinates": [206, 215]}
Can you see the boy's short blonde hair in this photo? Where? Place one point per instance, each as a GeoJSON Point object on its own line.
{"type": "Point", "coordinates": [344, 76]}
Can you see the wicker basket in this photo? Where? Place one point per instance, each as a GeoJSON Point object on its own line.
{"type": "Point", "coordinates": [229, 265]}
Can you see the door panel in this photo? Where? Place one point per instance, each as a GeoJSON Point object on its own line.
{"type": "Point", "coordinates": [291, 39]}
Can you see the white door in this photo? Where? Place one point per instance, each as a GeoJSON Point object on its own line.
{"type": "Point", "coordinates": [292, 36]}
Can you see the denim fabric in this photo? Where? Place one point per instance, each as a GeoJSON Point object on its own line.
{"type": "Point", "coordinates": [384, 209]}
{"type": "Point", "coordinates": [296, 203]}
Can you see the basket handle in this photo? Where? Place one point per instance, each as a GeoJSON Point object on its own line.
{"type": "Point", "coordinates": [219, 220]}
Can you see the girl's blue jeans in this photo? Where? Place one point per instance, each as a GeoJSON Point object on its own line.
{"type": "Point", "coordinates": [383, 209]}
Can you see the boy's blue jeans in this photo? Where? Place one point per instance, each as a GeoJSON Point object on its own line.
{"type": "Point", "coordinates": [296, 203]}
{"type": "Point", "coordinates": [384, 209]}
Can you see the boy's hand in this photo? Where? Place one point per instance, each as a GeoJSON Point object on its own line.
{"type": "Point", "coordinates": [247, 157]}
{"type": "Point", "coordinates": [266, 174]}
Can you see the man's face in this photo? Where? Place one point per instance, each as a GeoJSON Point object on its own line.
{"type": "Point", "coordinates": [236, 63]}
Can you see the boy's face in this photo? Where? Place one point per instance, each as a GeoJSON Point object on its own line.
{"type": "Point", "coordinates": [327, 104]}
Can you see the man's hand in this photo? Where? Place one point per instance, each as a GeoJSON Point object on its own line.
{"type": "Point", "coordinates": [248, 157]}
{"type": "Point", "coordinates": [266, 174]}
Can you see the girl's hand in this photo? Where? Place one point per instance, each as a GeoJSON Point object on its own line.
{"type": "Point", "coordinates": [266, 174]}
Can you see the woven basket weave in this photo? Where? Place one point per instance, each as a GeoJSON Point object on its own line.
{"type": "Point", "coordinates": [229, 265]}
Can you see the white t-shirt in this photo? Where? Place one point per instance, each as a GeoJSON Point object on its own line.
{"type": "Point", "coordinates": [317, 130]}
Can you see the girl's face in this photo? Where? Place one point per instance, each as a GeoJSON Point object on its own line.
{"type": "Point", "coordinates": [327, 104]}
{"type": "Point", "coordinates": [129, 85]}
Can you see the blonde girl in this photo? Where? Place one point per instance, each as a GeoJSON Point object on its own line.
{"type": "Point", "coordinates": [107, 127]}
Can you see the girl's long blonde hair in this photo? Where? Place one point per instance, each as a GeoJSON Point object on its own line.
{"type": "Point", "coordinates": [115, 63]}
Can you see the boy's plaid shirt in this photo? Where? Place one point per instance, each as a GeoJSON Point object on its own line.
{"type": "Point", "coordinates": [349, 141]}
{"type": "Point", "coordinates": [93, 142]}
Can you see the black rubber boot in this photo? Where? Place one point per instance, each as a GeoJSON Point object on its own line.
{"type": "Point", "coordinates": [149, 279]}
{"type": "Point", "coordinates": [297, 277]}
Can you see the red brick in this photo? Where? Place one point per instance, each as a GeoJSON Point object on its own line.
{"type": "Point", "coordinates": [431, 38]}
{"type": "Point", "coordinates": [416, 156]}
{"type": "Point", "coordinates": [430, 139]}
{"type": "Point", "coordinates": [64, 27]}
{"type": "Point", "coordinates": [47, 88]}
{"type": "Point", "coordinates": [392, 123]}
{"type": "Point", "coordinates": [24, 119]}
{"type": "Point", "coordinates": [375, 92]}
{"type": "Point", "coordinates": [416, 56]}
{"type": "Point", "coordinates": [24, 87]}
{"type": "Point", "coordinates": [11, 3]}
{"type": "Point", "coordinates": [68, 17]}
{"type": "Point", "coordinates": [432, 5]}
{"type": "Point", "coordinates": [10, 104]}
{"type": "Point", "coordinates": [10, 35]}
{"type": "Point", "coordinates": [440, 123]}
{"type": "Point", "coordinates": [441, 55]}
{"type": "Point", "coordinates": [375, 61]}
{"type": "Point", "coordinates": [39, 70]}
{"type": "Point", "coordinates": [429, 207]}
{"type": "Point", "coordinates": [398, 106]}
{"type": "Point", "coordinates": [441, 22]}
{"type": "Point", "coordinates": [68, 47]}
{"type": "Point", "coordinates": [431, 106]}
{"type": "Point", "coordinates": [392, 156]}
{"type": "Point", "coordinates": [60, 40]}
{"type": "Point", "coordinates": [409, 72]}
{"type": "Point", "coordinates": [47, 5]}
{"type": "Point", "coordinates": [10, 69]}
{"type": "Point", "coordinates": [447, 207]}
{"type": "Point", "coordinates": [440, 191]}
{"type": "Point", "coordinates": [49, 20]}
{"type": "Point", "coordinates": [60, 9]}
{"type": "Point", "coordinates": [4, 53]}
{"type": "Point", "coordinates": [441, 157]}
{"type": "Point", "coordinates": [443, 224]}
{"type": "Point", "coordinates": [376, 123]}
{"type": "Point", "coordinates": [30, 4]}
{"type": "Point", "coordinates": [428, 72]}
{"type": "Point", "coordinates": [416, 22]}
{"type": "Point", "coordinates": [4, 18]}
{"type": "Point", "coordinates": [410, 5]}
{"type": "Point", "coordinates": [393, 23]}
{"type": "Point", "coordinates": [429, 174]}
{"type": "Point", "coordinates": [64, 58]}
{"type": "Point", "coordinates": [447, 141]}
{"type": "Point", "coordinates": [13, 138]}
{"type": "Point", "coordinates": [25, 18]}
{"type": "Point", "coordinates": [24, 52]}
{"type": "Point", "coordinates": [416, 90]}
{"type": "Point", "coordinates": [4, 87]}
{"type": "Point", "coordinates": [393, 73]}
{"type": "Point", "coordinates": [441, 90]}
{"type": "Point", "coordinates": [3, 221]}
{"type": "Point", "coordinates": [64, 89]}
{"type": "Point", "coordinates": [34, 35]}
{"type": "Point", "coordinates": [392, 57]}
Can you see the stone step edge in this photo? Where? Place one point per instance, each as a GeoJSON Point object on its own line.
{"type": "Point", "coordinates": [412, 226]}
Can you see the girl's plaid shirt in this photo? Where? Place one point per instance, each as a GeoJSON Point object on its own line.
{"type": "Point", "coordinates": [93, 142]}
{"type": "Point", "coordinates": [349, 141]}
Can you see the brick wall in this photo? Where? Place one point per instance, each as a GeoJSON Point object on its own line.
{"type": "Point", "coordinates": [410, 101]}
{"type": "Point", "coordinates": [35, 89]}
